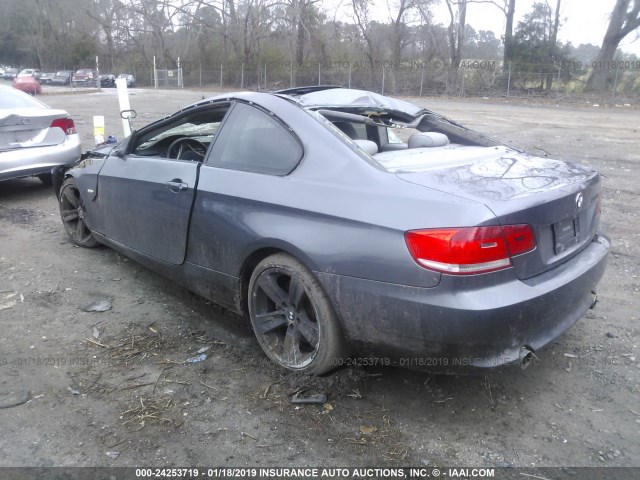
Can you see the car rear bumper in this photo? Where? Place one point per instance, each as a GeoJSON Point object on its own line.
{"type": "Point", "coordinates": [38, 160]}
{"type": "Point", "coordinates": [458, 324]}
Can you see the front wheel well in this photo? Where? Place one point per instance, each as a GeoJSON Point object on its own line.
{"type": "Point", "coordinates": [58, 176]}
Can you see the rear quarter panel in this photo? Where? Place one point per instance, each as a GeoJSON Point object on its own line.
{"type": "Point", "coordinates": [336, 212]}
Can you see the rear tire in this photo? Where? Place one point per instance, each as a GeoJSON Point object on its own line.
{"type": "Point", "coordinates": [72, 213]}
{"type": "Point", "coordinates": [293, 318]}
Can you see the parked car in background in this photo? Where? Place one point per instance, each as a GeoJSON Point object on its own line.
{"type": "Point", "coordinates": [62, 77]}
{"type": "Point", "coordinates": [29, 72]}
{"type": "Point", "coordinates": [340, 221]}
{"type": "Point", "coordinates": [34, 138]}
{"type": "Point", "coordinates": [83, 76]}
{"type": "Point", "coordinates": [10, 73]}
{"type": "Point", "coordinates": [131, 80]}
{"type": "Point", "coordinates": [46, 78]}
{"type": "Point", "coordinates": [107, 80]}
{"type": "Point", "coordinates": [27, 84]}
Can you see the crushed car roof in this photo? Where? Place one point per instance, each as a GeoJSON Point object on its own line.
{"type": "Point", "coordinates": [345, 97]}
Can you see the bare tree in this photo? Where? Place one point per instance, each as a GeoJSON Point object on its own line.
{"type": "Point", "coordinates": [625, 18]}
{"type": "Point", "coordinates": [458, 13]}
{"type": "Point", "coordinates": [508, 30]}
{"type": "Point", "coordinates": [402, 35]}
{"type": "Point", "coordinates": [553, 40]}
{"type": "Point", "coordinates": [400, 25]}
{"type": "Point", "coordinates": [361, 17]}
{"type": "Point", "coordinates": [508, 8]}
{"type": "Point", "coordinates": [106, 14]}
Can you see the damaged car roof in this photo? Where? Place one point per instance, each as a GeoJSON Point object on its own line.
{"type": "Point", "coordinates": [354, 100]}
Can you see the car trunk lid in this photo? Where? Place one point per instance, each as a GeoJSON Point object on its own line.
{"type": "Point", "coordinates": [559, 200]}
{"type": "Point", "coordinates": [30, 128]}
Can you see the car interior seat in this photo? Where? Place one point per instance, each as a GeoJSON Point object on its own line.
{"type": "Point", "coordinates": [347, 129]}
{"type": "Point", "coordinates": [428, 139]}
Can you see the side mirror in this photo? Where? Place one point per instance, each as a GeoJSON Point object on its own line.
{"type": "Point", "coordinates": [128, 114]}
{"type": "Point", "coordinates": [121, 150]}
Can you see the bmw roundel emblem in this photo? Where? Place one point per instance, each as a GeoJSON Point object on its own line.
{"type": "Point", "coordinates": [579, 200]}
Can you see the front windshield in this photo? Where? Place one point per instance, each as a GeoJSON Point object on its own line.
{"type": "Point", "coordinates": [204, 131]}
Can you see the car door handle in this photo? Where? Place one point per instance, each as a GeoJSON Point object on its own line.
{"type": "Point", "coordinates": [176, 185]}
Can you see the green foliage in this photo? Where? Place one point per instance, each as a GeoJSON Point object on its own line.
{"type": "Point", "coordinates": [531, 45]}
{"type": "Point", "coordinates": [481, 45]}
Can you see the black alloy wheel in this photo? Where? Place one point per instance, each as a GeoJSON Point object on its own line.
{"type": "Point", "coordinates": [73, 214]}
{"type": "Point", "coordinates": [293, 318]}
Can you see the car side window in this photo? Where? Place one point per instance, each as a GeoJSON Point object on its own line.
{"type": "Point", "coordinates": [187, 137]}
{"type": "Point", "coordinates": [252, 141]}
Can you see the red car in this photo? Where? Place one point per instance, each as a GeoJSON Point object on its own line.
{"type": "Point", "coordinates": [83, 76]}
{"type": "Point", "coordinates": [28, 85]}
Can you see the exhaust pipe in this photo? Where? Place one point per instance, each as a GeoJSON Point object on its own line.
{"type": "Point", "coordinates": [527, 355]}
{"type": "Point", "coordinates": [594, 300]}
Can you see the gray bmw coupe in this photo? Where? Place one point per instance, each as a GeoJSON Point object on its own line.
{"type": "Point", "coordinates": [350, 227]}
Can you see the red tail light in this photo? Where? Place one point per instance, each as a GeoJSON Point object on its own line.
{"type": "Point", "coordinates": [470, 250]}
{"type": "Point", "coordinates": [66, 124]}
{"type": "Point", "coordinates": [520, 239]}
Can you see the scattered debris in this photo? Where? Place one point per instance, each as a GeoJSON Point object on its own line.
{"type": "Point", "coordinates": [200, 358]}
{"type": "Point", "coordinates": [137, 385]}
{"type": "Point", "coordinates": [113, 454]}
{"type": "Point", "coordinates": [610, 335]}
{"type": "Point", "coordinates": [368, 429]}
{"type": "Point", "coordinates": [90, 340]}
{"type": "Point", "coordinates": [100, 305]}
{"type": "Point", "coordinates": [73, 391]}
{"type": "Point", "coordinates": [443, 400]}
{"type": "Point", "coordinates": [156, 410]}
{"type": "Point", "coordinates": [356, 394]}
{"type": "Point", "coordinates": [312, 399]}
{"type": "Point", "coordinates": [398, 452]}
{"type": "Point", "coordinates": [204, 349]}
{"type": "Point", "coordinates": [96, 333]}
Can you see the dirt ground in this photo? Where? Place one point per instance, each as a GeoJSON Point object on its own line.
{"type": "Point", "coordinates": [113, 388]}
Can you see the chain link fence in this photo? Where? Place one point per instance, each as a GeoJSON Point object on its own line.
{"type": "Point", "coordinates": [165, 78]}
{"type": "Point", "coordinates": [474, 78]}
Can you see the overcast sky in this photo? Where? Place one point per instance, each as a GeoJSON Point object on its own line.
{"type": "Point", "coordinates": [583, 21]}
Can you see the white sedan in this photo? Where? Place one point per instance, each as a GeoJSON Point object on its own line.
{"type": "Point", "coordinates": [34, 138]}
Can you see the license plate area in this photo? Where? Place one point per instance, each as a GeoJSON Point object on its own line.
{"type": "Point", "coordinates": [566, 233]}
